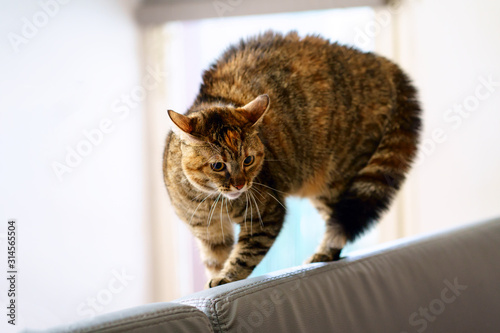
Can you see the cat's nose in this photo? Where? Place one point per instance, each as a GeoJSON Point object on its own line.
{"type": "Point", "coordinates": [239, 186]}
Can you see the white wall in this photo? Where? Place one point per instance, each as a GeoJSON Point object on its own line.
{"type": "Point", "coordinates": [77, 232]}
{"type": "Point", "coordinates": [450, 48]}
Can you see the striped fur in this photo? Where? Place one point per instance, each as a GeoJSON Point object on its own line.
{"type": "Point", "coordinates": [341, 128]}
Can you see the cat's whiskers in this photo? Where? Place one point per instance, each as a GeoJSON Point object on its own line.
{"type": "Point", "coordinates": [246, 209]}
{"type": "Point", "coordinates": [254, 190]}
{"type": "Point", "coordinates": [269, 187]}
{"type": "Point", "coordinates": [227, 211]}
{"type": "Point", "coordinates": [251, 216]}
{"type": "Point", "coordinates": [257, 207]}
{"type": "Point", "coordinates": [212, 210]}
{"type": "Point", "coordinates": [196, 197]}
{"type": "Point", "coordinates": [272, 196]}
{"type": "Point", "coordinates": [221, 225]}
{"type": "Point", "coordinates": [276, 200]}
{"type": "Point", "coordinates": [210, 194]}
{"type": "Point", "coordinates": [268, 160]}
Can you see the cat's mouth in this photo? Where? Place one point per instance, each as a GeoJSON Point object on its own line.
{"type": "Point", "coordinates": [233, 195]}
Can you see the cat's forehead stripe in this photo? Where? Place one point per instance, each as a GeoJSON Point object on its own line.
{"type": "Point", "coordinates": [231, 140]}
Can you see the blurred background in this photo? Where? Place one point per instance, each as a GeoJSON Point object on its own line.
{"type": "Point", "coordinates": [84, 88]}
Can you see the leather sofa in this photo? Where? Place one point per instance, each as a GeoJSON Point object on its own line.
{"type": "Point", "coordinates": [445, 282]}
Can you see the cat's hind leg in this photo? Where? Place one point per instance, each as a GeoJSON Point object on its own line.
{"type": "Point", "coordinates": [369, 192]}
{"type": "Point", "coordinates": [334, 238]}
{"type": "Point", "coordinates": [361, 203]}
{"type": "Point", "coordinates": [352, 213]}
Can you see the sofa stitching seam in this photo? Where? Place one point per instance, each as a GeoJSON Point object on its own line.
{"type": "Point", "coordinates": [163, 320]}
{"type": "Point", "coordinates": [156, 314]}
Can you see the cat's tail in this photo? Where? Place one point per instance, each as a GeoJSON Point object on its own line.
{"type": "Point", "coordinates": [372, 189]}
{"type": "Point", "coordinates": [398, 147]}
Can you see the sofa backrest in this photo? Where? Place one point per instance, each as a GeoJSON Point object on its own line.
{"type": "Point", "coordinates": [449, 282]}
{"type": "Point", "coordinates": [150, 318]}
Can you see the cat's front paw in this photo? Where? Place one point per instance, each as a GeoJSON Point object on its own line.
{"type": "Point", "coordinates": [217, 281]}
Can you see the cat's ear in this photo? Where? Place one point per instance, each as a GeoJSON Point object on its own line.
{"type": "Point", "coordinates": [255, 110]}
{"type": "Point", "coordinates": [183, 126]}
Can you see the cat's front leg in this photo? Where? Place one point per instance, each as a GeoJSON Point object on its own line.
{"type": "Point", "coordinates": [255, 239]}
{"type": "Point", "coordinates": [215, 254]}
{"type": "Point", "coordinates": [215, 245]}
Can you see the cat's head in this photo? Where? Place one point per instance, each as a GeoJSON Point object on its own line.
{"type": "Point", "coordinates": [221, 150]}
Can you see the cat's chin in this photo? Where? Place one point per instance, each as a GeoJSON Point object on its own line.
{"type": "Point", "coordinates": [232, 195]}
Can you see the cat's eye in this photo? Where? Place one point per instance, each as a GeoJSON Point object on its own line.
{"type": "Point", "coordinates": [219, 166]}
{"type": "Point", "coordinates": [249, 160]}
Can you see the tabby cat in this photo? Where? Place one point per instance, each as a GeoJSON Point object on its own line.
{"type": "Point", "coordinates": [277, 116]}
